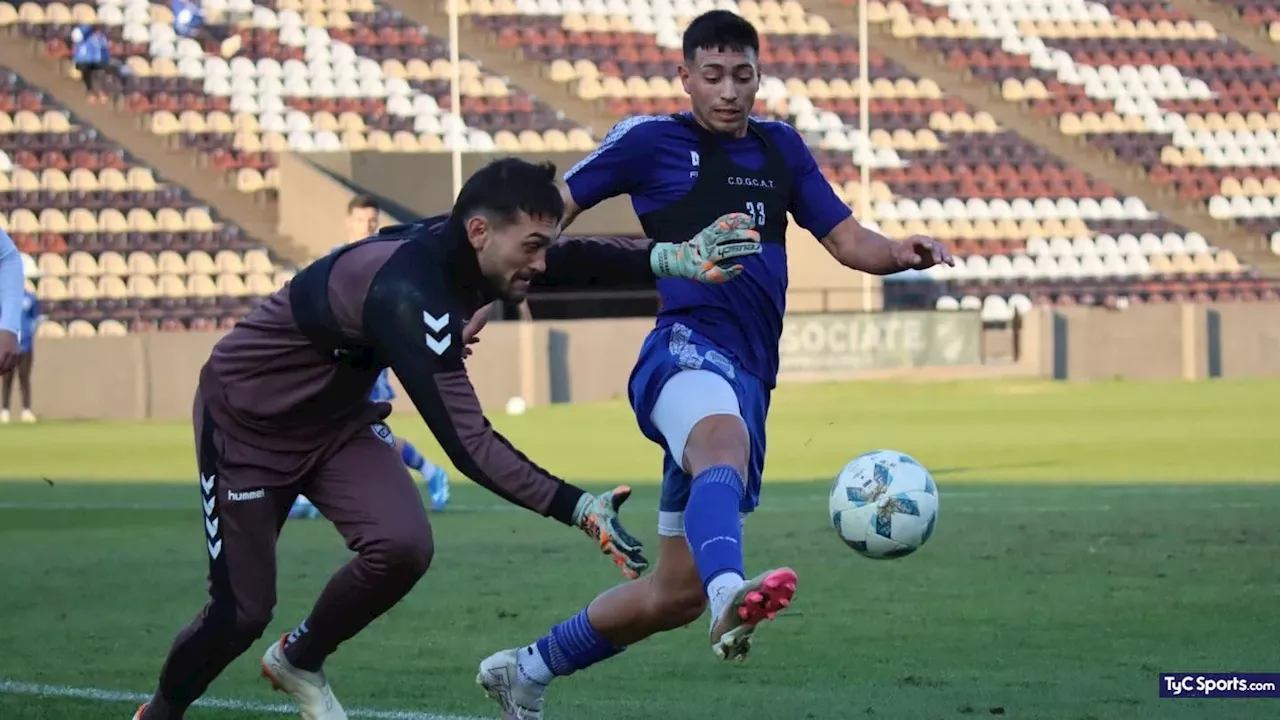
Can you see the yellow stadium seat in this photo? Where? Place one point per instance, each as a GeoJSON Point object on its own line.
{"type": "Point", "coordinates": [228, 261]}
{"type": "Point", "coordinates": [198, 220]}
{"type": "Point", "coordinates": [562, 71]}
{"type": "Point", "coordinates": [555, 140]}
{"type": "Point", "coordinates": [112, 287]}
{"type": "Point", "coordinates": [24, 180]}
{"type": "Point", "coordinates": [531, 141]}
{"type": "Point", "coordinates": [258, 261]}
{"type": "Point", "coordinates": [200, 263]}
{"type": "Point", "coordinates": [141, 286]}
{"type": "Point", "coordinates": [23, 220]}
{"type": "Point", "coordinates": [141, 221]}
{"type": "Point", "coordinates": [112, 328]}
{"type": "Point", "coordinates": [51, 288]}
{"type": "Point", "coordinates": [355, 140]}
{"type": "Point", "coordinates": [258, 284]}
{"type": "Point", "coordinates": [141, 264]}
{"type": "Point", "coordinates": [229, 285]}
{"type": "Point", "coordinates": [82, 264]}
{"type": "Point", "coordinates": [171, 286]}
{"type": "Point", "coordinates": [54, 221]}
{"type": "Point", "coordinates": [405, 141]}
{"type": "Point", "coordinates": [113, 263]}
{"type": "Point", "coordinates": [82, 288]}
{"type": "Point", "coordinates": [169, 263]}
{"type": "Point", "coordinates": [81, 329]}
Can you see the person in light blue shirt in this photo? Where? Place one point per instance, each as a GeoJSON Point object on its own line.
{"type": "Point", "coordinates": [29, 321]}
{"type": "Point", "coordinates": [12, 289]}
{"type": "Point", "coordinates": [701, 386]}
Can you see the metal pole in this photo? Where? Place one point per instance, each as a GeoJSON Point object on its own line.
{"type": "Point", "coordinates": [455, 99]}
{"type": "Point", "coordinates": [864, 126]}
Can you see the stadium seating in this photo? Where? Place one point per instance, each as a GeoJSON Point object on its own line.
{"type": "Point", "coordinates": [1030, 228]}
{"type": "Point", "coordinates": [323, 75]}
{"type": "Point", "coordinates": [113, 247]}
{"type": "Point", "coordinates": [1161, 90]}
{"type": "Point", "coordinates": [1136, 78]}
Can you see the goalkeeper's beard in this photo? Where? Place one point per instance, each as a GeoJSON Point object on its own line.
{"type": "Point", "coordinates": [516, 288]}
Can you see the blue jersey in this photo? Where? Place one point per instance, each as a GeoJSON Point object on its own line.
{"type": "Point", "coordinates": [28, 321]}
{"type": "Point", "coordinates": [382, 390]}
{"type": "Point", "coordinates": [655, 160]}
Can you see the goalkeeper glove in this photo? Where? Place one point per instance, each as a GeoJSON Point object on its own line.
{"type": "Point", "coordinates": [702, 258]}
{"type": "Point", "coordinates": [597, 516]}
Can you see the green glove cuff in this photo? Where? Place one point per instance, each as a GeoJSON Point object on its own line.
{"type": "Point", "coordinates": [662, 259]}
{"type": "Point", "coordinates": [584, 506]}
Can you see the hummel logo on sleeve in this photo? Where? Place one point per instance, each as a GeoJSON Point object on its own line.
{"type": "Point", "coordinates": [436, 342]}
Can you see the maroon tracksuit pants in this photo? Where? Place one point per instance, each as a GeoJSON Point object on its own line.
{"type": "Point", "coordinates": [360, 485]}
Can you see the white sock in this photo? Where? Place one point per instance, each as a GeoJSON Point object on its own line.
{"type": "Point", "coordinates": [720, 591]}
{"type": "Point", "coordinates": [532, 667]}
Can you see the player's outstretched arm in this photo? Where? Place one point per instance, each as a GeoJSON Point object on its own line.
{"type": "Point", "coordinates": [707, 257]}
{"type": "Point", "coordinates": [862, 248]}
{"type": "Point", "coordinates": [419, 334]}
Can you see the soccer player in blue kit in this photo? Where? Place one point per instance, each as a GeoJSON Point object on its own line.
{"type": "Point", "coordinates": [701, 386]}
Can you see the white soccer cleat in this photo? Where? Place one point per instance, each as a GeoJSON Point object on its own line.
{"type": "Point", "coordinates": [28, 416]}
{"type": "Point", "coordinates": [759, 599]}
{"type": "Point", "coordinates": [310, 690]}
{"type": "Point", "coordinates": [500, 677]}
{"type": "Point", "coordinates": [4, 417]}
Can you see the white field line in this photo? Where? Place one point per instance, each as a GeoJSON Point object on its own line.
{"type": "Point", "coordinates": [14, 687]}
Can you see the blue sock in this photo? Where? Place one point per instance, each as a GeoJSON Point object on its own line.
{"type": "Point", "coordinates": [412, 457]}
{"type": "Point", "coordinates": [711, 522]}
{"type": "Point", "coordinates": [571, 646]}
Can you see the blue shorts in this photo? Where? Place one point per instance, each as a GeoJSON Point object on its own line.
{"type": "Point", "coordinates": [672, 349]}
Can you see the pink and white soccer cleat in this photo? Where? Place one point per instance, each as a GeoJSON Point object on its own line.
{"type": "Point", "coordinates": [759, 599]}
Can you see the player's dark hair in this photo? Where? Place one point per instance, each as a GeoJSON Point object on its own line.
{"type": "Point", "coordinates": [505, 188]}
{"type": "Point", "coordinates": [720, 30]}
{"type": "Point", "coordinates": [363, 202]}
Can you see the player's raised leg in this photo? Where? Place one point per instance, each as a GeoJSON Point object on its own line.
{"type": "Point", "coordinates": [242, 517]}
{"type": "Point", "coordinates": [717, 427]}
{"type": "Point", "coordinates": [366, 492]}
{"type": "Point", "coordinates": [703, 418]}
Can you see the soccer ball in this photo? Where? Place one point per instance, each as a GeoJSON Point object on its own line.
{"type": "Point", "coordinates": [884, 504]}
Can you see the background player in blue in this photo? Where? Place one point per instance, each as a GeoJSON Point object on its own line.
{"type": "Point", "coordinates": [701, 385]}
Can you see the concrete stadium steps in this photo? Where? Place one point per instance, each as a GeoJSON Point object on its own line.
{"type": "Point", "coordinates": [1253, 37]}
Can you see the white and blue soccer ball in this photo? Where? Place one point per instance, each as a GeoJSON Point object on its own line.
{"type": "Point", "coordinates": [884, 504]}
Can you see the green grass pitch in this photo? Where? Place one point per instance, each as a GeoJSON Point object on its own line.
{"type": "Point", "coordinates": [1090, 537]}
